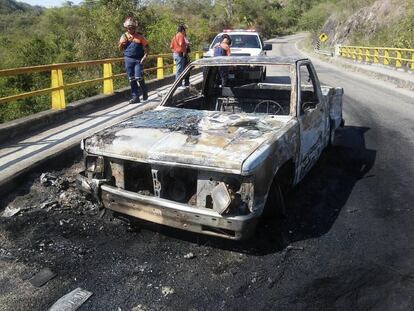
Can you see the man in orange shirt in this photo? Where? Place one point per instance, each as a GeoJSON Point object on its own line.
{"type": "Point", "coordinates": [180, 47]}
{"type": "Point", "coordinates": [135, 48]}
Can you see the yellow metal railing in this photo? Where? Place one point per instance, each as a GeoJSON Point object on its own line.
{"type": "Point", "coordinates": [58, 87]}
{"type": "Point", "coordinates": [399, 58]}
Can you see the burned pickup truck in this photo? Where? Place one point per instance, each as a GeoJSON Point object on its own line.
{"type": "Point", "coordinates": [213, 156]}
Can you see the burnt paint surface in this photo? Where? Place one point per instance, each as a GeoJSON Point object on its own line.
{"type": "Point", "coordinates": [207, 138]}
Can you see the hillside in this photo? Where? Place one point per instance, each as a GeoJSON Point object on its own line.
{"type": "Point", "coordinates": [380, 23]}
{"type": "Point", "coordinates": [11, 6]}
{"type": "Point", "coordinates": [375, 24]}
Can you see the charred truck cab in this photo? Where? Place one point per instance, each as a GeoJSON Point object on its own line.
{"type": "Point", "coordinates": [209, 157]}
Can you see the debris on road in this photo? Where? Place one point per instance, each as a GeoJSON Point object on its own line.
{"type": "Point", "coordinates": [49, 205]}
{"type": "Point", "coordinates": [167, 290]}
{"type": "Point", "coordinates": [270, 282]}
{"type": "Point", "coordinates": [10, 211]}
{"type": "Point", "coordinates": [352, 210]}
{"type": "Point", "coordinates": [5, 254]}
{"type": "Point", "coordinates": [47, 179]}
{"type": "Point", "coordinates": [71, 301]}
{"type": "Point", "coordinates": [294, 248]}
{"type": "Point", "coordinates": [42, 277]}
{"type": "Point", "coordinates": [189, 256]}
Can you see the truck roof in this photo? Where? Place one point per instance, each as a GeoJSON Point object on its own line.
{"type": "Point", "coordinates": [248, 59]}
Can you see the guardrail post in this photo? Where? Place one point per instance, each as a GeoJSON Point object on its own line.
{"type": "Point", "coordinates": [160, 68]}
{"type": "Point", "coordinates": [108, 83]}
{"type": "Point", "coordinates": [386, 57]}
{"type": "Point", "coordinates": [376, 56]}
{"type": "Point", "coordinates": [360, 54]}
{"type": "Point", "coordinates": [338, 50]}
{"type": "Point", "coordinates": [367, 56]}
{"type": "Point", "coordinates": [398, 60]}
{"type": "Point", "coordinates": [197, 56]}
{"type": "Point", "coordinates": [174, 66]}
{"type": "Point", "coordinates": [58, 96]}
{"type": "Point", "coordinates": [412, 61]}
{"type": "Point", "coordinates": [354, 56]}
{"type": "Point", "coordinates": [348, 52]}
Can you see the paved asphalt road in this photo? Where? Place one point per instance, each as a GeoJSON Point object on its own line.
{"type": "Point", "coordinates": [346, 243]}
{"type": "Point", "coordinates": [366, 258]}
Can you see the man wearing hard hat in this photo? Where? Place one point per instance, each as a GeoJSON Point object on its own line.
{"type": "Point", "coordinates": [135, 48]}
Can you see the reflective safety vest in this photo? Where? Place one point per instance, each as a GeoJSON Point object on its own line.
{"type": "Point", "coordinates": [134, 49]}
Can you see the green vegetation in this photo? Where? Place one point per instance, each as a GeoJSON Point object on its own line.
{"type": "Point", "coordinates": [35, 35]}
{"type": "Point", "coordinates": [400, 34]}
{"type": "Point", "coordinates": [314, 18]}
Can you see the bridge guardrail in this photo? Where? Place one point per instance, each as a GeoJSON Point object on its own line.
{"type": "Point", "coordinates": [58, 87]}
{"type": "Point", "coordinates": [395, 57]}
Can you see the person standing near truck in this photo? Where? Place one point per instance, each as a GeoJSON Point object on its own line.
{"type": "Point", "coordinates": [223, 49]}
{"type": "Point", "coordinates": [135, 48]}
{"type": "Point", "coordinates": [180, 46]}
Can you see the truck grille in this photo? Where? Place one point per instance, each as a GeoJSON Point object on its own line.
{"type": "Point", "coordinates": [175, 184]}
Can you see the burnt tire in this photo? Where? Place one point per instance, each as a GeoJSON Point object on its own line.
{"type": "Point", "coordinates": [275, 206]}
{"type": "Point", "coordinates": [332, 130]}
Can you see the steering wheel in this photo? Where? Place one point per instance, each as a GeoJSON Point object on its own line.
{"type": "Point", "coordinates": [270, 102]}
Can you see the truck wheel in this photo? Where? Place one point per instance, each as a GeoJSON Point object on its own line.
{"type": "Point", "coordinates": [275, 203]}
{"type": "Point", "coordinates": [331, 135]}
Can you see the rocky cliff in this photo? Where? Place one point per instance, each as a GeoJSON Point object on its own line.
{"type": "Point", "coordinates": [365, 22]}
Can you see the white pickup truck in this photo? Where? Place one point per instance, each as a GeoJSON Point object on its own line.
{"type": "Point", "coordinates": [212, 157]}
{"type": "Point", "coordinates": [244, 43]}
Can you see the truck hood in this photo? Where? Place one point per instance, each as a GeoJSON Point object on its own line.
{"type": "Point", "coordinates": [190, 137]}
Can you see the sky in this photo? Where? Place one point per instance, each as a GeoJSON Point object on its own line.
{"type": "Point", "coordinates": [48, 3]}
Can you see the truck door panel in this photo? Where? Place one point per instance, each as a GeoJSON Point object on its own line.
{"type": "Point", "coordinates": [311, 118]}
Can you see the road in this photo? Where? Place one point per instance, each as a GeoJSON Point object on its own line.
{"type": "Point", "coordinates": [346, 243]}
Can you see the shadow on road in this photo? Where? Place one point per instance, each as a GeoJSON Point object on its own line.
{"type": "Point", "coordinates": [313, 205]}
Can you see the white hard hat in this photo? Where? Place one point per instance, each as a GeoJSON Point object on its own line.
{"type": "Point", "coordinates": [130, 22]}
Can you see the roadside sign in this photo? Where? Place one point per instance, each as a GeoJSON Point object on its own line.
{"type": "Point", "coordinates": [323, 37]}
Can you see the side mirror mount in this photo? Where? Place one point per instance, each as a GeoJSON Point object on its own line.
{"type": "Point", "coordinates": [267, 47]}
{"type": "Point", "coordinates": [206, 47]}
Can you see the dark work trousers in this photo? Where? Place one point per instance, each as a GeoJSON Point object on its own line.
{"type": "Point", "coordinates": [181, 62]}
{"type": "Point", "coordinates": [135, 72]}
{"type": "Point", "coordinates": [223, 72]}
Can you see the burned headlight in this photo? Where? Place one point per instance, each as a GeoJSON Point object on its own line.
{"type": "Point", "coordinates": [226, 194]}
{"type": "Point", "coordinates": [223, 197]}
